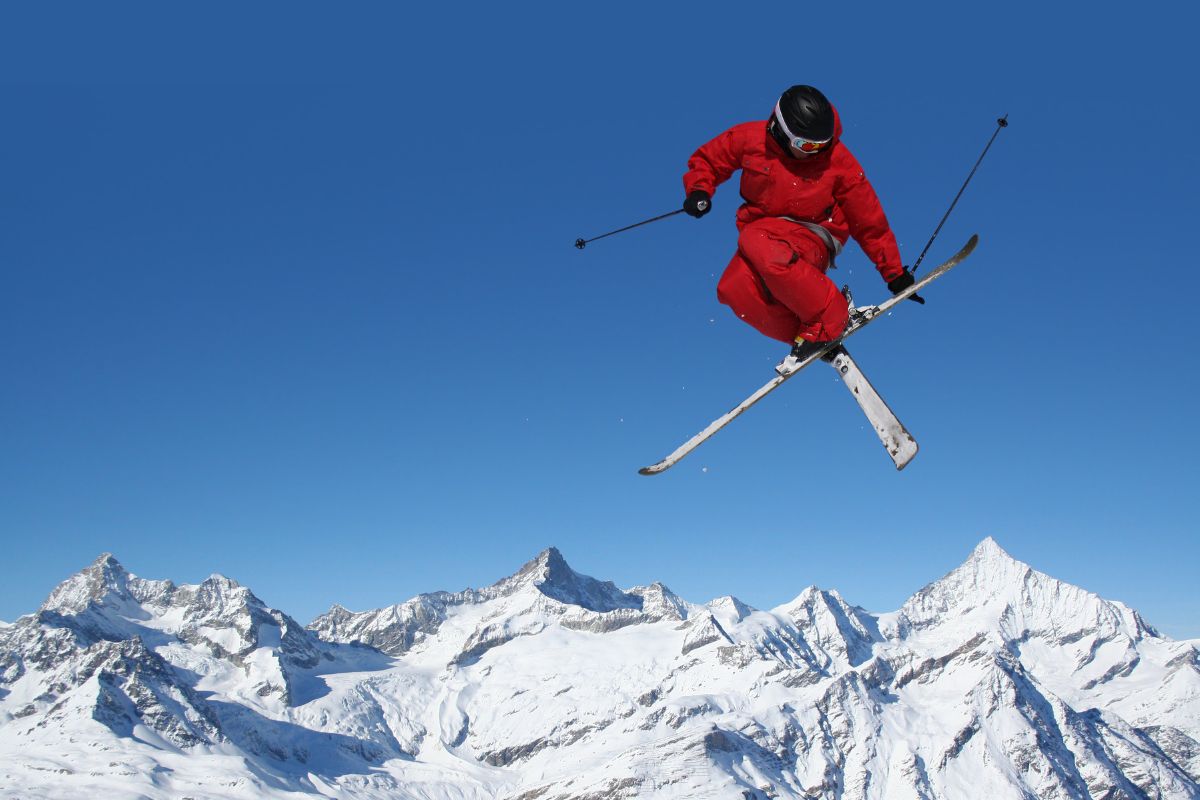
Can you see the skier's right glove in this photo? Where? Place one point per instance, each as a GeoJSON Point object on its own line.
{"type": "Point", "coordinates": [903, 281]}
{"type": "Point", "coordinates": [698, 203]}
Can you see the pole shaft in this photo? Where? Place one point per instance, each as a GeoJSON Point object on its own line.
{"type": "Point", "coordinates": [581, 242]}
{"type": "Point", "coordinates": [1001, 124]}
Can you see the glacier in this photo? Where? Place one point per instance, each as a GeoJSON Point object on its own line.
{"type": "Point", "coordinates": [995, 681]}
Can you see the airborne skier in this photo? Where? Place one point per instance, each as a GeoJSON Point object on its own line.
{"type": "Point", "coordinates": [805, 194]}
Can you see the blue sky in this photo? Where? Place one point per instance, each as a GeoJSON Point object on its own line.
{"type": "Point", "coordinates": [289, 294]}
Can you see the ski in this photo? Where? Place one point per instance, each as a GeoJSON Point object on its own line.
{"type": "Point", "coordinates": [900, 445]}
{"type": "Point", "coordinates": [859, 319]}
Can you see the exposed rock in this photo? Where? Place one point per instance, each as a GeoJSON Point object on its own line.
{"type": "Point", "coordinates": [701, 631]}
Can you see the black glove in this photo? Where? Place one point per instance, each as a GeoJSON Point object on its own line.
{"type": "Point", "coordinates": [698, 203]}
{"type": "Point", "coordinates": [903, 281]}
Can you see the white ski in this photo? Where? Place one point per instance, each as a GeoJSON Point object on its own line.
{"type": "Point", "coordinates": [860, 318]}
{"type": "Point", "coordinates": [898, 442]}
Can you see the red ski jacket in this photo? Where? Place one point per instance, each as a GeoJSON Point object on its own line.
{"type": "Point", "coordinates": [828, 188]}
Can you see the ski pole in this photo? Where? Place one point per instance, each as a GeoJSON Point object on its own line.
{"type": "Point", "coordinates": [581, 243]}
{"type": "Point", "coordinates": [1000, 125]}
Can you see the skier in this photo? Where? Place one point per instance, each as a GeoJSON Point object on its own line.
{"type": "Point", "coordinates": [805, 194]}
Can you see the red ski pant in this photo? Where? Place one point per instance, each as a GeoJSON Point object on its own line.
{"type": "Point", "coordinates": [776, 282]}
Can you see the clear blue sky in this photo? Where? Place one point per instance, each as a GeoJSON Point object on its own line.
{"type": "Point", "coordinates": [289, 294]}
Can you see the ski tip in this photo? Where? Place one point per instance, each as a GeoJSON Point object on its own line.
{"type": "Point", "coordinates": [966, 250]}
{"type": "Point", "coordinates": [654, 470]}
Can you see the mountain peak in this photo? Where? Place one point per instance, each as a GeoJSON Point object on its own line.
{"type": "Point", "coordinates": [107, 560]}
{"type": "Point", "coordinates": [659, 602]}
{"type": "Point", "coordinates": [729, 609]}
{"type": "Point", "coordinates": [988, 573]}
{"type": "Point", "coordinates": [990, 551]}
{"type": "Point", "coordinates": [547, 566]}
{"type": "Point", "coordinates": [219, 581]}
{"type": "Point", "coordinates": [1017, 596]}
{"type": "Point", "coordinates": [550, 574]}
{"type": "Point", "coordinates": [553, 564]}
{"type": "Point", "coordinates": [103, 582]}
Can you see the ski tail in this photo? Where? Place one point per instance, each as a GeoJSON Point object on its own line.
{"type": "Point", "coordinates": [900, 445]}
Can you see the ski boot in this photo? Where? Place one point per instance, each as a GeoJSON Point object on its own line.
{"type": "Point", "coordinates": [803, 350]}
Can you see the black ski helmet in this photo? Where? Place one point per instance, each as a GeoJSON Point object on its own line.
{"type": "Point", "coordinates": [805, 112]}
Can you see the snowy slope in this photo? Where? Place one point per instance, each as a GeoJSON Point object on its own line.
{"type": "Point", "coordinates": [994, 681]}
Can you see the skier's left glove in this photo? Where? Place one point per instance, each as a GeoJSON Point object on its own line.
{"type": "Point", "coordinates": [901, 282]}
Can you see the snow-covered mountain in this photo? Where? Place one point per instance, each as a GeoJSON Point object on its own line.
{"type": "Point", "coordinates": [995, 681]}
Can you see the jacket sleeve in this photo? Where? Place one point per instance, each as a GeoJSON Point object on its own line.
{"type": "Point", "coordinates": [714, 162]}
{"type": "Point", "coordinates": [866, 220]}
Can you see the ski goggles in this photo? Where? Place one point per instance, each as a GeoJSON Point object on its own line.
{"type": "Point", "coordinates": [799, 142]}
